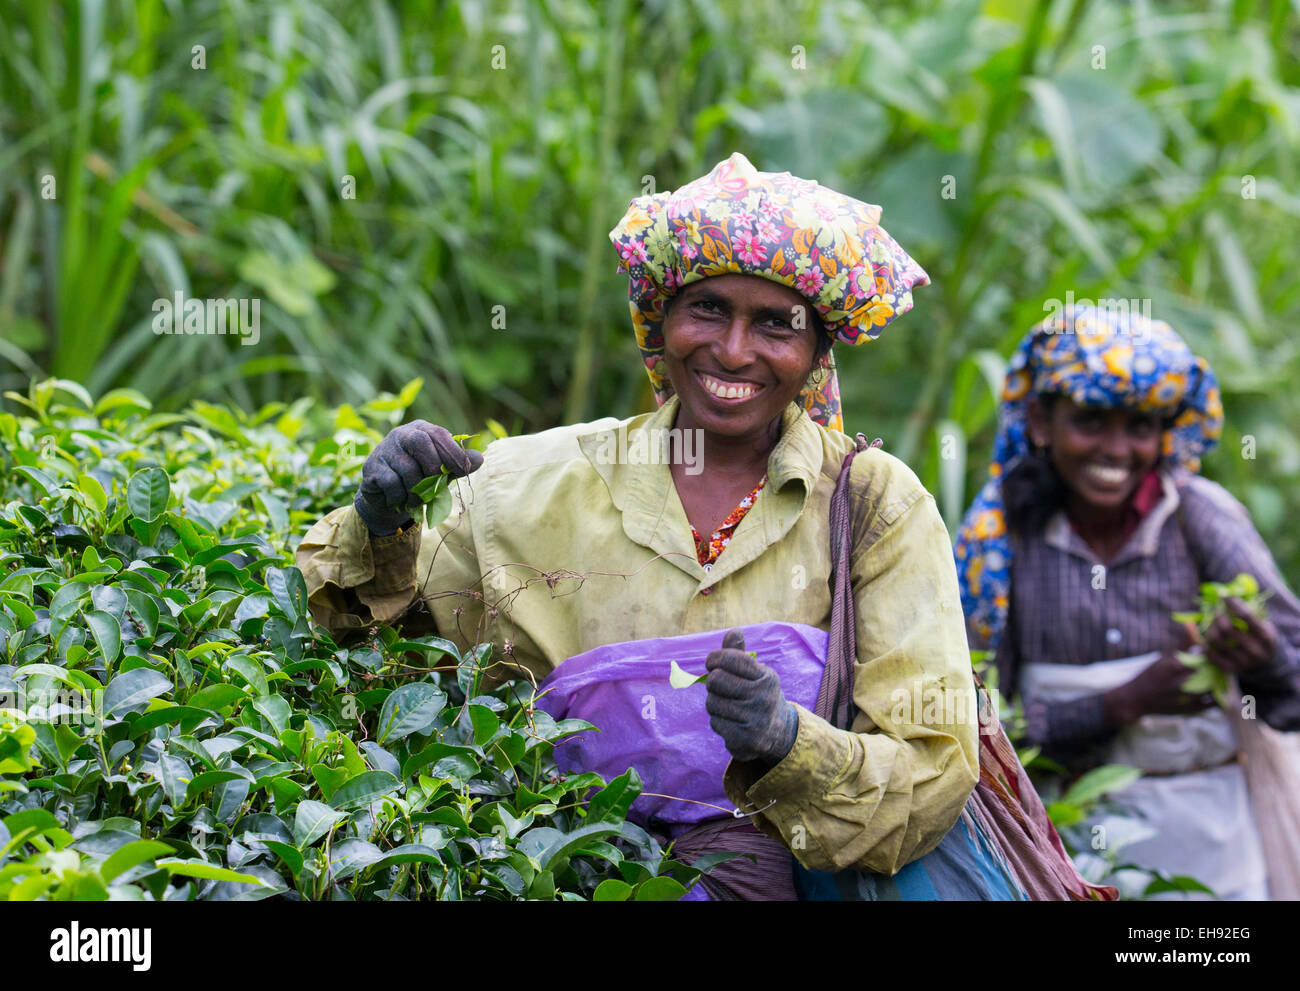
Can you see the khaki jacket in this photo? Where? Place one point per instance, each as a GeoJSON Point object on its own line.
{"type": "Point", "coordinates": [567, 540]}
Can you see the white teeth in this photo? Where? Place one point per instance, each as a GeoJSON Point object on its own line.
{"type": "Point", "coordinates": [725, 391]}
{"type": "Point", "coordinates": [1108, 475]}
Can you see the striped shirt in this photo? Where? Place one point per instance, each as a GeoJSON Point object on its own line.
{"type": "Point", "coordinates": [1068, 607]}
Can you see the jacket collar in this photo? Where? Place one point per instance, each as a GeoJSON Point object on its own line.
{"type": "Point", "coordinates": [631, 459]}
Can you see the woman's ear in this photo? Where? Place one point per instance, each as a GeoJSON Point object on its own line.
{"type": "Point", "coordinates": [1036, 423]}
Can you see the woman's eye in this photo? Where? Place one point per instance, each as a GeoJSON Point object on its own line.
{"type": "Point", "coordinates": [1088, 421]}
{"type": "Point", "coordinates": [1142, 428]}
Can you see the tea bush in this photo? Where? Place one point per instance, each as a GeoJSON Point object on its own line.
{"type": "Point", "coordinates": [173, 727]}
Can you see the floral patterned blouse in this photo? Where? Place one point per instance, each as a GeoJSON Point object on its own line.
{"type": "Point", "coordinates": [707, 551]}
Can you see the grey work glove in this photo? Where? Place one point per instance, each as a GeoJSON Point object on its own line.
{"type": "Point", "coordinates": [408, 455]}
{"type": "Point", "coordinates": [746, 705]}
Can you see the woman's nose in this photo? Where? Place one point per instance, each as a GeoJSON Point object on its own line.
{"type": "Point", "coordinates": [734, 347]}
{"type": "Point", "coordinates": [1115, 443]}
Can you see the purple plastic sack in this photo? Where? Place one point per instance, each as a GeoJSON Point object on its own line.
{"type": "Point", "coordinates": [662, 731]}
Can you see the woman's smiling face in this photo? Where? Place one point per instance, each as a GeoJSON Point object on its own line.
{"type": "Point", "coordinates": [738, 350]}
{"type": "Point", "coordinates": [1101, 454]}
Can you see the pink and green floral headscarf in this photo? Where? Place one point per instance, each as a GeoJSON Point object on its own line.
{"type": "Point", "coordinates": [828, 247]}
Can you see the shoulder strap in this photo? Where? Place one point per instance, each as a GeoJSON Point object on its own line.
{"type": "Point", "coordinates": [835, 697]}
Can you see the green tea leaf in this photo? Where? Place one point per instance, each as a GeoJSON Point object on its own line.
{"type": "Point", "coordinates": [132, 688]}
{"type": "Point", "coordinates": [612, 890]}
{"type": "Point", "coordinates": [205, 871]}
{"type": "Point", "coordinates": [364, 788]}
{"type": "Point", "coordinates": [1101, 781]}
{"type": "Point", "coordinates": [312, 821]}
{"type": "Point", "coordinates": [682, 679]}
{"type": "Point", "coordinates": [410, 709]}
{"type": "Point", "coordinates": [659, 889]}
{"type": "Point", "coordinates": [131, 854]}
{"type": "Point", "coordinates": [147, 493]}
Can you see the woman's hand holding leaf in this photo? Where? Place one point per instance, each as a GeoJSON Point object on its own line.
{"type": "Point", "coordinates": [409, 455]}
{"type": "Point", "coordinates": [746, 705]}
{"type": "Point", "coordinates": [1160, 689]}
{"type": "Point", "coordinates": [1239, 639]}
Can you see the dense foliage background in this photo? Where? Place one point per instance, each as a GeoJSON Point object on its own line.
{"type": "Point", "coordinates": [418, 189]}
{"type": "Point", "coordinates": [1020, 149]}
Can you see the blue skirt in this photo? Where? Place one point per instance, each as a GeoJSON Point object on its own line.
{"type": "Point", "coordinates": [965, 866]}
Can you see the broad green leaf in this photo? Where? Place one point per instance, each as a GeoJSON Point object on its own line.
{"type": "Point", "coordinates": [547, 845]}
{"type": "Point", "coordinates": [167, 716]}
{"type": "Point", "coordinates": [210, 779]}
{"type": "Point", "coordinates": [228, 797]}
{"type": "Point", "coordinates": [147, 493]}
{"type": "Point", "coordinates": [130, 854]}
{"type": "Point", "coordinates": [364, 788]}
{"type": "Point", "coordinates": [175, 775]}
{"type": "Point", "coordinates": [410, 709]}
{"type": "Point", "coordinates": [612, 890]}
{"type": "Point", "coordinates": [485, 723]}
{"type": "Point", "coordinates": [613, 801]}
{"type": "Point", "coordinates": [1064, 813]}
{"type": "Point", "coordinates": [351, 855]}
{"type": "Point", "coordinates": [1101, 781]}
{"type": "Point", "coordinates": [250, 671]}
{"type": "Point", "coordinates": [207, 872]}
{"type": "Point", "coordinates": [312, 821]}
{"type": "Point", "coordinates": [435, 493]}
{"type": "Point", "coordinates": [289, 591]}
{"type": "Point", "coordinates": [659, 889]}
{"type": "Point", "coordinates": [292, 858]}
{"type": "Point", "coordinates": [107, 632]}
{"type": "Point", "coordinates": [133, 688]}
{"type": "Point", "coordinates": [93, 491]}
{"type": "Point", "coordinates": [431, 754]}
{"type": "Point", "coordinates": [275, 709]}
{"type": "Point", "coordinates": [67, 599]}
{"type": "Point", "coordinates": [1178, 882]}
{"type": "Point", "coordinates": [411, 853]}
{"type": "Point", "coordinates": [427, 488]}
{"type": "Point", "coordinates": [38, 820]}
{"type": "Point", "coordinates": [217, 696]}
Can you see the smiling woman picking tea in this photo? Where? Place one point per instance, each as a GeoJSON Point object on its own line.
{"type": "Point", "coordinates": [1093, 531]}
{"type": "Point", "coordinates": [597, 573]}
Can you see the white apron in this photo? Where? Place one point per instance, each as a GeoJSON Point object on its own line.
{"type": "Point", "coordinates": [1198, 806]}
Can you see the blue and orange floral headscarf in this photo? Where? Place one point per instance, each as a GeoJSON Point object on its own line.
{"type": "Point", "coordinates": [1096, 357]}
{"type": "Point", "coordinates": [828, 247]}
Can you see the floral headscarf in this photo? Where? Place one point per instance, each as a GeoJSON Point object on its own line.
{"type": "Point", "coordinates": [1099, 357]}
{"type": "Point", "coordinates": [828, 247]}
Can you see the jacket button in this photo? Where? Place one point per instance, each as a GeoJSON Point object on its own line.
{"type": "Point", "coordinates": [705, 591]}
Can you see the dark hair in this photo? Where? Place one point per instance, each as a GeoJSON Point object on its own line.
{"type": "Point", "coordinates": [1033, 490]}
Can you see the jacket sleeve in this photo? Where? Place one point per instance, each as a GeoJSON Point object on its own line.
{"type": "Point", "coordinates": [884, 794]}
{"type": "Point", "coordinates": [423, 582]}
